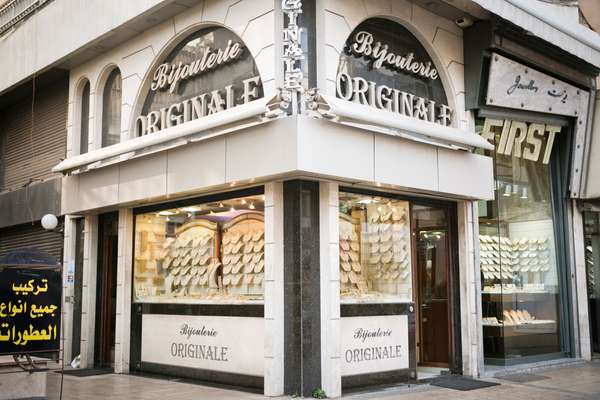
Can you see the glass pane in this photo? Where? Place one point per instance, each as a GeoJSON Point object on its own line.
{"type": "Point", "coordinates": [111, 109]}
{"type": "Point", "coordinates": [205, 252]}
{"type": "Point", "coordinates": [432, 261]}
{"type": "Point", "coordinates": [85, 119]}
{"type": "Point", "coordinates": [518, 256]}
{"type": "Point", "coordinates": [375, 255]}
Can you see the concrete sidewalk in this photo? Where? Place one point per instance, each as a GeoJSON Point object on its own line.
{"type": "Point", "coordinates": [575, 382]}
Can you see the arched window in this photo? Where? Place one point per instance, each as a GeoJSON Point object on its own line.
{"type": "Point", "coordinates": [84, 119]}
{"type": "Point", "coordinates": [111, 109]}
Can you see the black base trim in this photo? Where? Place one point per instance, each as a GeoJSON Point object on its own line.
{"type": "Point", "coordinates": [247, 383]}
{"type": "Point", "coordinates": [380, 379]}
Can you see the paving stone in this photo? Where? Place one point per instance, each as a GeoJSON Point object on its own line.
{"type": "Point", "coordinates": [575, 382]}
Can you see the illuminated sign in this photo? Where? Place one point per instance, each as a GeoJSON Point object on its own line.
{"type": "Point", "coordinates": [384, 66]}
{"type": "Point", "coordinates": [208, 72]}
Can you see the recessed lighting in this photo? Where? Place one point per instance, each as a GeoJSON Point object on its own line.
{"type": "Point", "coordinates": [192, 209]}
{"type": "Point", "coordinates": [166, 213]}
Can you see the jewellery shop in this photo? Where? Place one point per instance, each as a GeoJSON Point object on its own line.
{"type": "Point", "coordinates": [223, 237]}
{"type": "Point", "coordinates": [536, 123]}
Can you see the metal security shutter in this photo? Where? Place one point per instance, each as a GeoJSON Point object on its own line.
{"type": "Point", "coordinates": [30, 154]}
{"type": "Point", "coordinates": [28, 235]}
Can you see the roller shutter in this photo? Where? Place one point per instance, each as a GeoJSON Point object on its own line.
{"type": "Point", "coordinates": [29, 154]}
{"type": "Point", "coordinates": [28, 235]}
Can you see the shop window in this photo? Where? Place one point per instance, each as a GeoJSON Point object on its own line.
{"type": "Point", "coordinates": [202, 252]}
{"type": "Point", "coordinates": [84, 119]}
{"type": "Point", "coordinates": [518, 250]}
{"type": "Point", "coordinates": [375, 249]}
{"type": "Point", "coordinates": [111, 109]}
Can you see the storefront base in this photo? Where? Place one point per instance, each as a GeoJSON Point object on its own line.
{"type": "Point", "coordinates": [492, 371]}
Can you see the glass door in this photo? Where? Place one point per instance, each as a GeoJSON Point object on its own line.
{"type": "Point", "coordinates": [432, 249]}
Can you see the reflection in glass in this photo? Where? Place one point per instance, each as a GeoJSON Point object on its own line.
{"type": "Point", "coordinates": [111, 109]}
{"type": "Point", "coordinates": [375, 256]}
{"type": "Point", "coordinates": [212, 251]}
{"type": "Point", "coordinates": [85, 119]}
{"type": "Point", "coordinates": [519, 267]}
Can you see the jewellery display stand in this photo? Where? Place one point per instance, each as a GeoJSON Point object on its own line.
{"type": "Point", "coordinates": [375, 252]}
{"type": "Point", "coordinates": [388, 248]}
{"type": "Point", "coordinates": [518, 308]}
{"type": "Point", "coordinates": [351, 278]}
{"type": "Point", "coordinates": [182, 265]}
{"type": "Point", "coordinates": [243, 258]}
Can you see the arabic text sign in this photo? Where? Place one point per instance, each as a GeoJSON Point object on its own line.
{"type": "Point", "coordinates": [29, 310]}
{"type": "Point", "coordinates": [517, 86]}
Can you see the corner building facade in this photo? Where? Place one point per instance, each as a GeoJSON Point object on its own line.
{"type": "Point", "coordinates": [227, 222]}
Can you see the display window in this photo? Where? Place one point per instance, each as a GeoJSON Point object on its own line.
{"type": "Point", "coordinates": [375, 249]}
{"type": "Point", "coordinates": [205, 252]}
{"type": "Point", "coordinates": [517, 241]}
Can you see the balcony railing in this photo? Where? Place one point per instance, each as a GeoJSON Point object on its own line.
{"type": "Point", "coordinates": [15, 11]}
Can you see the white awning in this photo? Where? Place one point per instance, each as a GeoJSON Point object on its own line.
{"type": "Point", "coordinates": [548, 23]}
{"type": "Point", "coordinates": [240, 117]}
{"type": "Point", "coordinates": [387, 122]}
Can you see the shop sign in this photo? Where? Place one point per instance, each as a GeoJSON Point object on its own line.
{"type": "Point", "coordinates": [30, 300]}
{"type": "Point", "coordinates": [225, 344]}
{"type": "Point", "coordinates": [529, 141]}
{"type": "Point", "coordinates": [374, 344]}
{"type": "Point", "coordinates": [517, 86]}
{"type": "Point", "coordinates": [208, 72]}
{"type": "Point", "coordinates": [384, 66]}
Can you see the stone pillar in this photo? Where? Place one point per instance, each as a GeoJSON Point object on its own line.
{"type": "Point", "coordinates": [302, 293]}
{"type": "Point", "coordinates": [578, 273]}
{"type": "Point", "coordinates": [330, 289]}
{"type": "Point", "coordinates": [124, 277]}
{"type": "Point", "coordinates": [273, 289]}
{"type": "Point", "coordinates": [470, 289]}
{"type": "Point", "coordinates": [88, 295]}
{"type": "Point", "coordinates": [68, 281]}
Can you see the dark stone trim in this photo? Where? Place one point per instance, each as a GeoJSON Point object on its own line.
{"type": "Point", "coordinates": [225, 310]}
{"type": "Point", "coordinates": [211, 198]}
{"type": "Point", "coordinates": [371, 381]}
{"type": "Point", "coordinates": [455, 361]}
{"type": "Point", "coordinates": [302, 300]}
{"type": "Point", "coordinates": [207, 377]}
{"type": "Point", "coordinates": [361, 310]}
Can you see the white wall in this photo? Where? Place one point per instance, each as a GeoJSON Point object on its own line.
{"type": "Point", "coordinates": [62, 28]}
{"type": "Point", "coordinates": [252, 20]}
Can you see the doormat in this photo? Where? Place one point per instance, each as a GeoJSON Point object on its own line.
{"type": "Point", "coordinates": [522, 378]}
{"type": "Point", "coordinates": [87, 372]}
{"type": "Point", "coordinates": [461, 383]}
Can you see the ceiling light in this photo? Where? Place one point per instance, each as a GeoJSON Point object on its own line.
{"type": "Point", "coordinates": [192, 209]}
{"type": "Point", "coordinates": [166, 213]}
{"type": "Point", "coordinates": [251, 206]}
